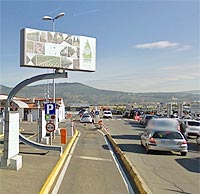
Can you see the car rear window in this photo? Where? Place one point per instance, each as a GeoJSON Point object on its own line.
{"type": "Point", "coordinates": [86, 115]}
{"type": "Point", "coordinates": [163, 124]}
{"type": "Point", "coordinates": [193, 123]}
{"type": "Point", "coordinates": [107, 112]}
{"type": "Point", "coordinates": [167, 135]}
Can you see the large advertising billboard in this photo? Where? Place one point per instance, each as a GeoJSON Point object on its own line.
{"type": "Point", "coordinates": [46, 49]}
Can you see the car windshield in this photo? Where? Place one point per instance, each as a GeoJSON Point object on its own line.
{"type": "Point", "coordinates": [167, 135]}
{"type": "Point", "coordinates": [194, 123]}
{"type": "Point", "coordinates": [86, 115]}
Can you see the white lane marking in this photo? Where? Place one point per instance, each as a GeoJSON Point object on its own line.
{"type": "Point", "coordinates": [93, 158]}
{"type": "Point", "coordinates": [62, 174]}
{"type": "Point", "coordinates": [121, 171]}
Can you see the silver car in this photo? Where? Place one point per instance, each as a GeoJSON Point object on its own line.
{"type": "Point", "coordinates": [163, 135]}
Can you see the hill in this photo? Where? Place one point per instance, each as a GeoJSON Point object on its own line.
{"type": "Point", "coordinates": [80, 93]}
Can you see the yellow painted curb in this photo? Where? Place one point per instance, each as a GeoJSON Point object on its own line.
{"type": "Point", "coordinates": [143, 189]}
{"type": "Point", "coordinates": [52, 177]}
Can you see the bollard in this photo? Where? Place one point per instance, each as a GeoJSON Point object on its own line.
{"type": "Point", "coordinates": [73, 128]}
{"type": "Point", "coordinates": [63, 133]}
{"type": "Point", "coordinates": [100, 123]}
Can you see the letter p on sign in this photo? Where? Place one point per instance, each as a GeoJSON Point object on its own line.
{"type": "Point", "coordinates": [50, 109]}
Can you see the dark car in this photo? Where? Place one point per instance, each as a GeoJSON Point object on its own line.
{"type": "Point", "coordinates": [146, 118]}
{"type": "Point", "coordinates": [126, 114]}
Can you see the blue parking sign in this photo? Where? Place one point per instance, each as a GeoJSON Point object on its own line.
{"type": "Point", "coordinates": [50, 108]}
{"type": "Point", "coordinates": [96, 112]}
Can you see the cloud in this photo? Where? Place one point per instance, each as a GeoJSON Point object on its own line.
{"type": "Point", "coordinates": [159, 44]}
{"type": "Point", "coordinates": [163, 45]}
{"type": "Point", "coordinates": [184, 48]}
{"type": "Point", "coordinates": [86, 12]}
{"type": "Point", "coordinates": [167, 78]}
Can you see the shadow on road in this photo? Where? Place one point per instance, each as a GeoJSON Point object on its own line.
{"type": "Point", "coordinates": [105, 147]}
{"type": "Point", "coordinates": [177, 191]}
{"type": "Point", "coordinates": [132, 148]}
{"type": "Point", "coordinates": [193, 147]}
{"type": "Point", "coordinates": [190, 164]}
{"type": "Point", "coordinates": [135, 137]}
{"type": "Point", "coordinates": [136, 148]}
{"type": "Point", "coordinates": [134, 124]}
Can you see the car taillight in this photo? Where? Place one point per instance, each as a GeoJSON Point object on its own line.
{"type": "Point", "coordinates": [152, 140]}
{"type": "Point", "coordinates": [184, 142]}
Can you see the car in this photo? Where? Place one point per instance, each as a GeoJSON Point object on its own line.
{"type": "Point", "coordinates": [163, 135]}
{"type": "Point", "coordinates": [86, 118]}
{"type": "Point", "coordinates": [116, 112]}
{"type": "Point", "coordinates": [163, 123]}
{"type": "Point", "coordinates": [107, 114]}
{"type": "Point", "coordinates": [126, 114]}
{"type": "Point", "coordinates": [192, 127]}
{"type": "Point", "coordinates": [146, 118]}
{"type": "Point", "coordinates": [164, 140]}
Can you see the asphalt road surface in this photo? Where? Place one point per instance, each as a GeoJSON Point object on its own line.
{"type": "Point", "coordinates": [163, 172]}
{"type": "Point", "coordinates": [92, 168]}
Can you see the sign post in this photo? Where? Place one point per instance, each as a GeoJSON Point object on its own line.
{"type": "Point", "coordinates": [50, 111]}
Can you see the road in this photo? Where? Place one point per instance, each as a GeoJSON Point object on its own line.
{"type": "Point", "coordinates": [92, 168]}
{"type": "Point", "coordinates": [165, 173]}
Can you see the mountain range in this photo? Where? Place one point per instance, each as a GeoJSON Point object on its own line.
{"type": "Point", "coordinates": [80, 93]}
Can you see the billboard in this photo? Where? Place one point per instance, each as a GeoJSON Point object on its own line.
{"type": "Point", "coordinates": [56, 50]}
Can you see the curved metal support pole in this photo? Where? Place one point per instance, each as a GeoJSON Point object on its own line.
{"type": "Point", "coordinates": [39, 145]}
{"type": "Point", "coordinates": [5, 160]}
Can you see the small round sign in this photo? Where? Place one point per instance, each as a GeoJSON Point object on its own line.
{"type": "Point", "coordinates": [97, 112]}
{"type": "Point", "coordinates": [50, 127]}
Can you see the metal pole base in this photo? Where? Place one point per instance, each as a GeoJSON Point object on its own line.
{"type": "Point", "coordinates": [13, 163]}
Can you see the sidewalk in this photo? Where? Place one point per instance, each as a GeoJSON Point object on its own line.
{"type": "Point", "coordinates": [36, 167]}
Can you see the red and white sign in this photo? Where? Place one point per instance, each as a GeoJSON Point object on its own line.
{"type": "Point", "coordinates": [50, 127]}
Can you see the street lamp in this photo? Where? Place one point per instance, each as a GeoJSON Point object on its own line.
{"type": "Point", "coordinates": [53, 29]}
{"type": "Point", "coordinates": [53, 19]}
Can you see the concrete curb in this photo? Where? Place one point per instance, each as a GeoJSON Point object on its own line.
{"type": "Point", "coordinates": [46, 188]}
{"type": "Point", "coordinates": [136, 178]}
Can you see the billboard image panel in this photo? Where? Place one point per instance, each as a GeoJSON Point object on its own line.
{"type": "Point", "coordinates": [46, 49]}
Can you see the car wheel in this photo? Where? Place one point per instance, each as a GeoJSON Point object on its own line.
{"type": "Point", "coordinates": [183, 153]}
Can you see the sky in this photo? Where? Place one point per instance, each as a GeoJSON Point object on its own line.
{"type": "Point", "coordinates": [141, 45]}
